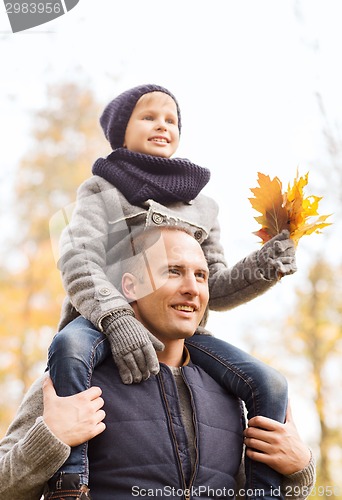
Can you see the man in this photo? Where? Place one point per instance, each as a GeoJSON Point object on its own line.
{"type": "Point", "coordinates": [175, 436]}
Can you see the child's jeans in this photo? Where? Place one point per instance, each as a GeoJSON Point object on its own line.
{"type": "Point", "coordinates": [73, 354]}
{"type": "Point", "coordinates": [79, 347]}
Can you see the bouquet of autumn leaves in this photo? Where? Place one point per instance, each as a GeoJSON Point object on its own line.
{"type": "Point", "coordinates": [289, 210]}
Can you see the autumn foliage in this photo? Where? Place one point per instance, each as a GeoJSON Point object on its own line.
{"type": "Point", "coordinates": [65, 141]}
{"type": "Point", "coordinates": [289, 210]}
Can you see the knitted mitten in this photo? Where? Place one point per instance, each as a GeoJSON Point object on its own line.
{"type": "Point", "coordinates": [277, 257]}
{"type": "Point", "coordinates": [132, 345]}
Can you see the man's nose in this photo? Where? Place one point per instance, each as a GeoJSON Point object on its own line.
{"type": "Point", "coordinates": [190, 285]}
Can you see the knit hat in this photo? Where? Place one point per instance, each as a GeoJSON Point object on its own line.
{"type": "Point", "coordinates": [117, 113]}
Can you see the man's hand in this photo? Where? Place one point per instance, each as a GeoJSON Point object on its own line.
{"type": "Point", "coordinates": [73, 419]}
{"type": "Point", "coordinates": [277, 445]}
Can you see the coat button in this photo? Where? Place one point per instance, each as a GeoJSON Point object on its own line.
{"type": "Point", "coordinates": [157, 218]}
{"type": "Point", "coordinates": [104, 292]}
{"type": "Point", "coordinates": [198, 235]}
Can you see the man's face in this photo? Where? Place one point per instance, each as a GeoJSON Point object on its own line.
{"type": "Point", "coordinates": [153, 126]}
{"type": "Point", "coordinates": [176, 270]}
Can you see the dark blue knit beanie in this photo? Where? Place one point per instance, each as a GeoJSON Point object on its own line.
{"type": "Point", "coordinates": [117, 113]}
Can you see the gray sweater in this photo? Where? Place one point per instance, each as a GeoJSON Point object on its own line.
{"type": "Point", "coordinates": [30, 454]}
{"type": "Point", "coordinates": [97, 238]}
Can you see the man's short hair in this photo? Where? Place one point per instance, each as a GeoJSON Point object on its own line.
{"type": "Point", "coordinates": [139, 243]}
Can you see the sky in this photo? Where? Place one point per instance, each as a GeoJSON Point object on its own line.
{"type": "Point", "coordinates": [246, 74]}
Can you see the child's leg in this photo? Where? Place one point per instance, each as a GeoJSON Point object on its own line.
{"type": "Point", "coordinates": [263, 389]}
{"type": "Point", "coordinates": [73, 354]}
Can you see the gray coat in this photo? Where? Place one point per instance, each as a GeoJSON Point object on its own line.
{"type": "Point", "coordinates": [96, 240]}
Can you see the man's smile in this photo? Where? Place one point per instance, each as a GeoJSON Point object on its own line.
{"type": "Point", "coordinates": [185, 307]}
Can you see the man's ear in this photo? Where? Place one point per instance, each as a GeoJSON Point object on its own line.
{"type": "Point", "coordinates": [128, 285]}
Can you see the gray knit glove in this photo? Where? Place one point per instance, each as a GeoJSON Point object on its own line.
{"type": "Point", "coordinates": [132, 345]}
{"type": "Point", "coordinates": [277, 257]}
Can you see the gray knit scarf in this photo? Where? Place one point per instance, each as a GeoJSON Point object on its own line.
{"type": "Point", "coordinates": [141, 177]}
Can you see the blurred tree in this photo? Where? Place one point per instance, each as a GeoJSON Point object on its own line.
{"type": "Point", "coordinates": [66, 139]}
{"type": "Point", "coordinates": [314, 332]}
{"type": "Point", "coordinates": [331, 166]}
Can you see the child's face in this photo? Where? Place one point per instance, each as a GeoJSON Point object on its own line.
{"type": "Point", "coordinates": [153, 126]}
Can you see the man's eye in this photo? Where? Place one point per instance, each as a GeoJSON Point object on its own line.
{"type": "Point", "coordinates": [202, 276]}
{"type": "Point", "coordinates": [174, 271]}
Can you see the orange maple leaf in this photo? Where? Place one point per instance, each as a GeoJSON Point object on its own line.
{"type": "Point", "coordinates": [289, 210]}
{"type": "Point", "coordinates": [269, 201]}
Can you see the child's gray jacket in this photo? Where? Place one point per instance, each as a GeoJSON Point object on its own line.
{"type": "Point", "coordinates": [96, 240]}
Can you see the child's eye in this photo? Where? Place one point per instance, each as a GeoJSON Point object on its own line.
{"type": "Point", "coordinates": [172, 120]}
{"type": "Point", "coordinates": [148, 117]}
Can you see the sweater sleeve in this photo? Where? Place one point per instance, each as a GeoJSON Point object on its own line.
{"type": "Point", "coordinates": [297, 486]}
{"type": "Point", "coordinates": [29, 453]}
{"type": "Point", "coordinates": [231, 286]}
{"type": "Point", "coordinates": [83, 252]}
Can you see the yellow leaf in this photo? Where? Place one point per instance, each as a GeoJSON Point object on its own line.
{"type": "Point", "coordinates": [289, 210]}
{"type": "Point", "coordinates": [269, 201]}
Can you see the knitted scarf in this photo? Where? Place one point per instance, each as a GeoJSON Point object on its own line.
{"type": "Point", "coordinates": [141, 177]}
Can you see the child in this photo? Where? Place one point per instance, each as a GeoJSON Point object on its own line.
{"type": "Point", "coordinates": [139, 185]}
